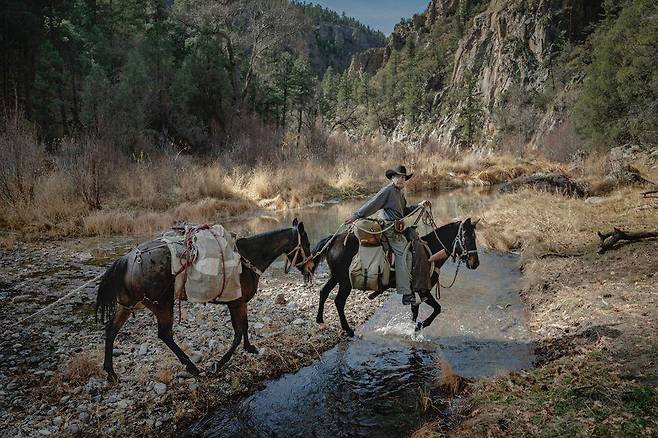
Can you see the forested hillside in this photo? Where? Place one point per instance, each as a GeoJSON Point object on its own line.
{"type": "Point", "coordinates": [187, 73]}
{"type": "Point", "coordinates": [510, 75]}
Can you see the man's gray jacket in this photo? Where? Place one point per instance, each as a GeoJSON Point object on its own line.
{"type": "Point", "coordinates": [391, 200]}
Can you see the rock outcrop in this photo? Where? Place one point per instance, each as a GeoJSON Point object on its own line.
{"type": "Point", "coordinates": [330, 44]}
{"type": "Point", "coordinates": [509, 42]}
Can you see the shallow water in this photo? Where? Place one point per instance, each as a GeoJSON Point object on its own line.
{"type": "Point", "coordinates": [371, 385]}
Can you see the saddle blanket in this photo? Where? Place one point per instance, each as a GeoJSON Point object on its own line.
{"type": "Point", "coordinates": [206, 263]}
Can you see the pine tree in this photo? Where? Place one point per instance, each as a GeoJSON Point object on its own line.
{"type": "Point", "coordinates": [471, 112]}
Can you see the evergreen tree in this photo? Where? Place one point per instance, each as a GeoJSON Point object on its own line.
{"type": "Point", "coordinates": [471, 114]}
{"type": "Point", "coordinates": [619, 101]}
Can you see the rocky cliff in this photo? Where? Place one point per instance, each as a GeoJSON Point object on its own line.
{"type": "Point", "coordinates": [505, 43]}
{"type": "Point", "coordinates": [330, 44]}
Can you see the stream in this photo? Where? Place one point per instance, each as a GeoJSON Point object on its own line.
{"type": "Point", "coordinates": [372, 385]}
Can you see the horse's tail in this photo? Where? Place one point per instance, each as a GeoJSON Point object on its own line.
{"type": "Point", "coordinates": [320, 252]}
{"type": "Point", "coordinates": [108, 289]}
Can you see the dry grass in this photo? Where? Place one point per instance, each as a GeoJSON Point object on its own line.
{"type": "Point", "coordinates": [66, 195]}
{"type": "Point", "coordinates": [433, 429]}
{"type": "Point", "coordinates": [449, 381]}
{"type": "Point", "coordinates": [538, 222]}
{"type": "Point", "coordinates": [573, 396]}
{"type": "Point", "coordinates": [79, 368]}
{"type": "Point", "coordinates": [166, 375]}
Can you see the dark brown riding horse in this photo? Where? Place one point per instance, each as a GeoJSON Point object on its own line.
{"type": "Point", "coordinates": [144, 276]}
{"type": "Point", "coordinates": [458, 239]}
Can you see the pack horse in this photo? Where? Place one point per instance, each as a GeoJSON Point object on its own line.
{"type": "Point", "coordinates": [144, 277]}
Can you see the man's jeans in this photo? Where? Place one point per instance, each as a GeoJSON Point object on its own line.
{"type": "Point", "coordinates": [399, 243]}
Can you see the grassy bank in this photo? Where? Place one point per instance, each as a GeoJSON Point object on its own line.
{"type": "Point", "coordinates": [593, 316]}
{"type": "Point", "coordinates": [86, 187]}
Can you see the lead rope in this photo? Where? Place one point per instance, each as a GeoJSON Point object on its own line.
{"type": "Point", "coordinates": [53, 304]}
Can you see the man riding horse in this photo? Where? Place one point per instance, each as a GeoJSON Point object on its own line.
{"type": "Point", "coordinates": [391, 200]}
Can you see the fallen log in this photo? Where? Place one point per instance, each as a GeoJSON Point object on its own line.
{"type": "Point", "coordinates": [609, 239]}
{"type": "Point", "coordinates": [554, 182]}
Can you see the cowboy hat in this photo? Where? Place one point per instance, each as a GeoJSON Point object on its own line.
{"type": "Point", "coordinates": [399, 170]}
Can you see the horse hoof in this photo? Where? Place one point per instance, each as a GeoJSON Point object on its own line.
{"type": "Point", "coordinates": [251, 349]}
{"type": "Point", "coordinates": [112, 377]}
{"type": "Point", "coordinates": [419, 326]}
{"type": "Point", "coordinates": [319, 320]}
{"type": "Point", "coordinates": [350, 333]}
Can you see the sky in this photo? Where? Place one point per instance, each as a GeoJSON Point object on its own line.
{"type": "Point", "coordinates": [378, 14]}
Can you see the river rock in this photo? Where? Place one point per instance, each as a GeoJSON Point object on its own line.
{"type": "Point", "coordinates": [280, 299]}
{"type": "Point", "coordinates": [20, 298]}
{"type": "Point", "coordinates": [143, 349]}
{"type": "Point", "coordinates": [196, 357]}
{"type": "Point", "coordinates": [257, 325]}
{"type": "Point", "coordinates": [84, 416]}
{"type": "Point", "coordinates": [160, 388]}
{"type": "Point", "coordinates": [73, 429]}
{"type": "Point", "coordinates": [299, 321]}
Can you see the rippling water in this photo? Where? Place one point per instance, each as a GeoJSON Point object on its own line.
{"type": "Point", "coordinates": [371, 385]}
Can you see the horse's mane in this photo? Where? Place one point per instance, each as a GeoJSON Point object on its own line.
{"type": "Point", "coordinates": [263, 235]}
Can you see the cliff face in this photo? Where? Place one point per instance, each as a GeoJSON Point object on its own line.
{"type": "Point", "coordinates": [512, 42]}
{"type": "Point", "coordinates": [330, 44]}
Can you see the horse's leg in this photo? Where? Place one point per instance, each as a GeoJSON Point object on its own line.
{"type": "Point", "coordinates": [343, 292]}
{"type": "Point", "coordinates": [165, 316]}
{"type": "Point", "coordinates": [238, 310]}
{"type": "Point", "coordinates": [414, 312]}
{"type": "Point", "coordinates": [324, 294]}
{"type": "Point", "coordinates": [111, 330]}
{"type": "Point", "coordinates": [247, 345]}
{"type": "Point", "coordinates": [435, 312]}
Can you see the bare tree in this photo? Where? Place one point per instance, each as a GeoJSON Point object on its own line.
{"type": "Point", "coordinates": [22, 160]}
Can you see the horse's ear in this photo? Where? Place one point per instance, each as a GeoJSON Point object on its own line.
{"type": "Point", "coordinates": [475, 222]}
{"type": "Point", "coordinates": [468, 221]}
{"type": "Point", "coordinates": [295, 222]}
{"type": "Point", "coordinates": [300, 228]}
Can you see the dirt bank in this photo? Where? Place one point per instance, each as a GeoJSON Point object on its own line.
{"type": "Point", "coordinates": [50, 378]}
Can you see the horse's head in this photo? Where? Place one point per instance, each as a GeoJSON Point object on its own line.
{"type": "Point", "coordinates": [299, 253]}
{"type": "Point", "coordinates": [466, 247]}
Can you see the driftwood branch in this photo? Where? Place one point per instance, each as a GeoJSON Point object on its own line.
{"type": "Point", "coordinates": [650, 192]}
{"type": "Point", "coordinates": [609, 239]}
{"type": "Point", "coordinates": [561, 255]}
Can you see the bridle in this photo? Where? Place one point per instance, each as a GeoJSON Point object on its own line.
{"type": "Point", "coordinates": [460, 240]}
{"type": "Point", "coordinates": [299, 253]}
{"type": "Point", "coordinates": [458, 247]}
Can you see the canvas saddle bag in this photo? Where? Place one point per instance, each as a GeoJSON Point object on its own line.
{"type": "Point", "coordinates": [370, 268]}
{"type": "Point", "coordinates": [206, 263]}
